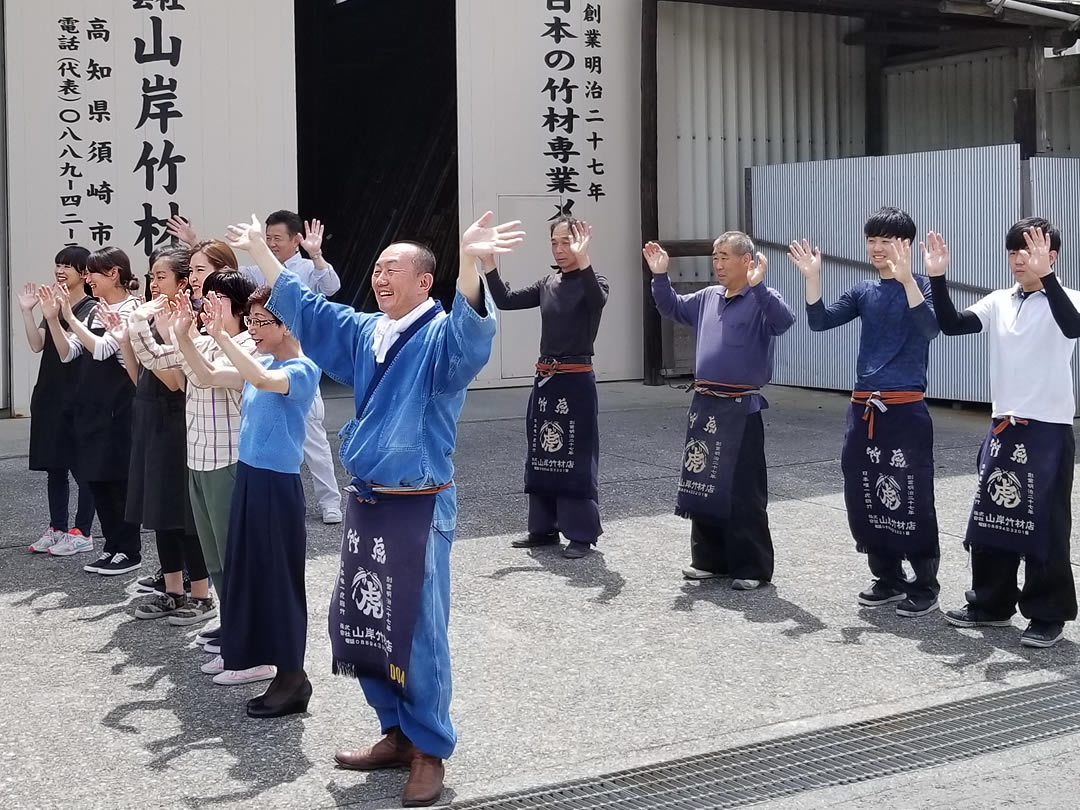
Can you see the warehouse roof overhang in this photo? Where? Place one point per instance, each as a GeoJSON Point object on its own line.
{"type": "Point", "coordinates": [941, 23]}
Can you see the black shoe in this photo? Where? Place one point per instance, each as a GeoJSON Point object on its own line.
{"type": "Point", "coordinates": [156, 583]}
{"type": "Point", "coordinates": [536, 540]}
{"type": "Point", "coordinates": [296, 703]}
{"type": "Point", "coordinates": [877, 595]}
{"type": "Point", "coordinates": [576, 550]}
{"type": "Point", "coordinates": [95, 567]}
{"type": "Point", "coordinates": [1043, 634]}
{"type": "Point", "coordinates": [914, 608]}
{"type": "Point", "coordinates": [968, 616]}
{"type": "Point", "coordinates": [120, 564]}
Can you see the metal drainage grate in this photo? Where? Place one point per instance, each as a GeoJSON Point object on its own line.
{"type": "Point", "coordinates": [820, 759]}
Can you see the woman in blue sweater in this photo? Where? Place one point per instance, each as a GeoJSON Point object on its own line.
{"type": "Point", "coordinates": [266, 623]}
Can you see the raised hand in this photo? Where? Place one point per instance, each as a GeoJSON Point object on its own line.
{"type": "Point", "coordinates": [48, 300]}
{"type": "Point", "coordinates": [65, 303]}
{"type": "Point", "coordinates": [656, 257]}
{"type": "Point", "coordinates": [757, 272]}
{"type": "Point", "coordinates": [245, 235]}
{"type": "Point", "coordinates": [29, 298]}
{"type": "Point", "coordinates": [899, 258]}
{"type": "Point", "coordinates": [935, 254]}
{"type": "Point", "coordinates": [483, 239]}
{"type": "Point", "coordinates": [152, 308]}
{"type": "Point", "coordinates": [581, 235]}
{"type": "Point", "coordinates": [212, 319]}
{"type": "Point", "coordinates": [182, 228]}
{"type": "Point", "coordinates": [806, 260]}
{"type": "Point", "coordinates": [1037, 255]}
{"type": "Point", "coordinates": [183, 317]}
{"type": "Point", "coordinates": [114, 324]}
{"type": "Point", "coordinates": [313, 238]}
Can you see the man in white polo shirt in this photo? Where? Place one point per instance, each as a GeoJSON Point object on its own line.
{"type": "Point", "coordinates": [286, 233]}
{"type": "Point", "coordinates": [1023, 504]}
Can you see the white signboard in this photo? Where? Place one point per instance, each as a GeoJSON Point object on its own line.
{"type": "Point", "coordinates": [123, 112]}
{"type": "Point", "coordinates": [548, 122]}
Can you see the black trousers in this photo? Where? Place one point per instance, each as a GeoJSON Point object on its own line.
{"type": "Point", "coordinates": [59, 490]}
{"type": "Point", "coordinates": [177, 550]}
{"type": "Point", "coordinates": [741, 545]}
{"type": "Point", "coordinates": [889, 571]}
{"type": "Point", "coordinates": [1049, 592]}
{"type": "Point", "coordinates": [121, 537]}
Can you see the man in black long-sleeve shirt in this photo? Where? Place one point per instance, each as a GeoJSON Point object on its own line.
{"type": "Point", "coordinates": [1023, 504]}
{"type": "Point", "coordinates": [564, 444]}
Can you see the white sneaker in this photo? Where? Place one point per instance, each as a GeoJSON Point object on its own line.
{"type": "Point", "coordinates": [745, 584]}
{"type": "Point", "coordinates": [49, 539]}
{"type": "Point", "coordinates": [331, 515]}
{"type": "Point", "coordinates": [73, 542]}
{"type": "Point", "coordinates": [214, 666]}
{"type": "Point", "coordinates": [697, 573]}
{"type": "Point", "coordinates": [233, 677]}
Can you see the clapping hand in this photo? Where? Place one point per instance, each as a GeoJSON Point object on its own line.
{"type": "Point", "coordinates": [935, 254]}
{"type": "Point", "coordinates": [212, 317]}
{"type": "Point", "coordinates": [113, 322]}
{"type": "Point", "coordinates": [246, 235]}
{"type": "Point", "coordinates": [806, 260]}
{"type": "Point", "coordinates": [29, 298]}
{"type": "Point", "coordinates": [483, 239]}
{"type": "Point", "coordinates": [656, 258]}
{"type": "Point", "coordinates": [313, 238]}
{"type": "Point", "coordinates": [48, 299]}
{"type": "Point", "coordinates": [757, 271]}
{"type": "Point", "coordinates": [182, 229]}
{"type": "Point", "coordinates": [580, 236]}
{"type": "Point", "coordinates": [1037, 255]}
{"type": "Point", "coordinates": [899, 259]}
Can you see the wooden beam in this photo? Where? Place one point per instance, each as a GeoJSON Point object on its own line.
{"type": "Point", "coordinates": [652, 340]}
{"type": "Point", "coordinates": [971, 38]}
{"type": "Point", "coordinates": [874, 106]}
{"type": "Point", "coordinates": [969, 9]}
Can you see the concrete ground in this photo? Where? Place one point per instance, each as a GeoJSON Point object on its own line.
{"type": "Point", "coordinates": [562, 669]}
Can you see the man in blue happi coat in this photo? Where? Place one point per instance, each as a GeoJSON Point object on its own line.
{"type": "Point", "coordinates": [409, 367]}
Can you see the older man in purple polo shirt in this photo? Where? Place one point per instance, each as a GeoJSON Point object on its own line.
{"type": "Point", "coordinates": [724, 482]}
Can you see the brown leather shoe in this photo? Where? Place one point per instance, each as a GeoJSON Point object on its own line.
{"type": "Point", "coordinates": [392, 751]}
{"type": "Point", "coordinates": [425, 783]}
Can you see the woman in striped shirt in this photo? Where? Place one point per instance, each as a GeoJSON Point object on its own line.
{"type": "Point", "coordinates": [158, 470]}
{"type": "Point", "coordinates": [106, 393]}
{"type": "Point", "coordinates": [213, 432]}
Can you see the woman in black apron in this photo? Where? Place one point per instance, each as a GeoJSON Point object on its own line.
{"type": "Point", "coordinates": [157, 489]}
{"type": "Point", "coordinates": [103, 421]}
{"type": "Point", "coordinates": [51, 437]}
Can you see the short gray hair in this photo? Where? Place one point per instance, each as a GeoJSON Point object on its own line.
{"type": "Point", "coordinates": [741, 244]}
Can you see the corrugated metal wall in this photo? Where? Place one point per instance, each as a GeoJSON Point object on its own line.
{"type": "Point", "coordinates": [1054, 185]}
{"type": "Point", "coordinates": [1063, 121]}
{"type": "Point", "coordinates": [828, 202]}
{"type": "Point", "coordinates": [742, 87]}
{"type": "Point", "coordinates": [951, 103]}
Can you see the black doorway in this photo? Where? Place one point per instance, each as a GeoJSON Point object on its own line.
{"type": "Point", "coordinates": [377, 132]}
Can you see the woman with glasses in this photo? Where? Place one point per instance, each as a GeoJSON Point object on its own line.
{"type": "Point", "coordinates": [51, 411]}
{"type": "Point", "coordinates": [266, 620]}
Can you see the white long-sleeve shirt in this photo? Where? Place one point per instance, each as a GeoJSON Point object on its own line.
{"type": "Point", "coordinates": [106, 345]}
{"type": "Point", "coordinates": [325, 282]}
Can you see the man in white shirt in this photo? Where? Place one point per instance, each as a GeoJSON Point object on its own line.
{"type": "Point", "coordinates": [286, 233]}
{"type": "Point", "coordinates": [1023, 505]}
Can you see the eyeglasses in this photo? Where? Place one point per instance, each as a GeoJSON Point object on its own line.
{"type": "Point", "coordinates": [261, 323]}
{"type": "Point", "coordinates": [389, 272]}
